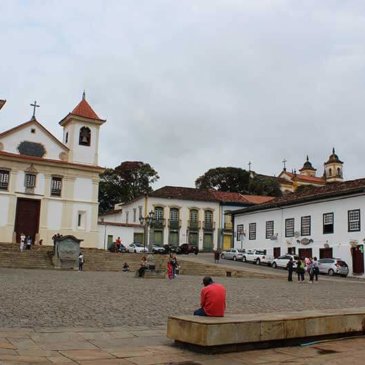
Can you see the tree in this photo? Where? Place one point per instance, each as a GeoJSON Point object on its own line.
{"type": "Point", "coordinates": [231, 179]}
{"type": "Point", "coordinates": [264, 185]}
{"type": "Point", "coordinates": [124, 183]}
{"type": "Point", "coordinates": [234, 179]}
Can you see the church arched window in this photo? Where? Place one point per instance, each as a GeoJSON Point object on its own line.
{"type": "Point", "coordinates": [330, 172]}
{"type": "Point", "coordinates": [339, 172]}
{"type": "Point", "coordinates": [85, 136]}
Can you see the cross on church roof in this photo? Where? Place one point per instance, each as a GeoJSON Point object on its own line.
{"type": "Point", "coordinates": [284, 163]}
{"type": "Point", "coordinates": [34, 105]}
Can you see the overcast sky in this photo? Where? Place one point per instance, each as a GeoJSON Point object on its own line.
{"type": "Point", "coordinates": [189, 85]}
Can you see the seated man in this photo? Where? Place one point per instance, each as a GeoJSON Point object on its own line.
{"type": "Point", "coordinates": [212, 299]}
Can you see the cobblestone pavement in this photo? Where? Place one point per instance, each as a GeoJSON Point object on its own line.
{"type": "Point", "coordinates": [46, 298]}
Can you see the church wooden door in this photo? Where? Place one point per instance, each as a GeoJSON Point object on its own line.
{"type": "Point", "coordinates": [358, 259]}
{"type": "Point", "coordinates": [305, 252]}
{"type": "Point", "coordinates": [27, 217]}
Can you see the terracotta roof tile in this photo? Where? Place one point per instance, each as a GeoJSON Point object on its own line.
{"type": "Point", "coordinates": [183, 193]}
{"type": "Point", "coordinates": [304, 178]}
{"type": "Point", "coordinates": [83, 109]}
{"type": "Point", "coordinates": [312, 193]}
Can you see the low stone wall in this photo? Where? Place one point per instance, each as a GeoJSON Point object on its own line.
{"type": "Point", "coordinates": [234, 332]}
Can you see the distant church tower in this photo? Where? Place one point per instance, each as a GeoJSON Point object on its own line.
{"type": "Point", "coordinates": [333, 168]}
{"type": "Point", "coordinates": [308, 169]}
{"type": "Point", "coordinates": [81, 134]}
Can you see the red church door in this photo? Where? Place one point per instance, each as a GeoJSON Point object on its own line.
{"type": "Point", "coordinates": [27, 217]}
{"type": "Point", "coordinates": [358, 259]}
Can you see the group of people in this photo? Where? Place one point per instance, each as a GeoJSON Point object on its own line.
{"type": "Point", "coordinates": [25, 242]}
{"type": "Point", "coordinates": [308, 265]}
{"type": "Point", "coordinates": [172, 267]}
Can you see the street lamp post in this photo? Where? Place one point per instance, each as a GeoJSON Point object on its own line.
{"type": "Point", "coordinates": [147, 223]}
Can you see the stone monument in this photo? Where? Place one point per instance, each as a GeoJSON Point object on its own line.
{"type": "Point", "coordinates": [66, 252]}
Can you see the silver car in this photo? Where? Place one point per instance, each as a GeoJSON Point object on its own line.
{"type": "Point", "coordinates": [233, 254]}
{"type": "Point", "coordinates": [333, 267]}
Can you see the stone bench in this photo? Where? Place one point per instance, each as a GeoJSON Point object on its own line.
{"type": "Point", "coordinates": [246, 331]}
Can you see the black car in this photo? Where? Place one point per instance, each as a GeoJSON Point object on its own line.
{"type": "Point", "coordinates": [187, 248]}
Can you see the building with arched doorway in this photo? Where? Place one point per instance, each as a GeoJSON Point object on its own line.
{"type": "Point", "coordinates": [48, 186]}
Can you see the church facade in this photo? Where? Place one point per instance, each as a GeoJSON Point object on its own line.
{"type": "Point", "coordinates": [332, 172]}
{"type": "Point", "coordinates": [48, 186]}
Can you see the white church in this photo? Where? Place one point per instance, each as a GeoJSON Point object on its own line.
{"type": "Point", "coordinates": [48, 186]}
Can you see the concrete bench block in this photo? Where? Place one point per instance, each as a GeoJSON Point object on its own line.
{"type": "Point", "coordinates": [264, 328]}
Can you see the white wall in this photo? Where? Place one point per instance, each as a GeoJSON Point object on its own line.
{"type": "Point", "coordinates": [339, 240]}
{"type": "Point", "coordinates": [12, 141]}
{"type": "Point", "coordinates": [54, 215]}
{"type": "Point", "coordinates": [4, 208]}
{"type": "Point", "coordinates": [83, 189]}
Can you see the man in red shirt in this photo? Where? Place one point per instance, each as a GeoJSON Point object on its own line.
{"type": "Point", "coordinates": [212, 299]}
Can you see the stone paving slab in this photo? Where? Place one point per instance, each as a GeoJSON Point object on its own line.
{"type": "Point", "coordinates": [156, 350]}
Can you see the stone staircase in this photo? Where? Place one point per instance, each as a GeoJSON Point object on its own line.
{"type": "Point", "coordinates": [40, 257]}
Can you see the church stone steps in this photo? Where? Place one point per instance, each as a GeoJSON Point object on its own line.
{"type": "Point", "coordinates": [39, 257]}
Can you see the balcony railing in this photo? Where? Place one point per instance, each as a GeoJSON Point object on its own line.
{"type": "Point", "coordinates": [208, 226]}
{"type": "Point", "coordinates": [174, 223]}
{"type": "Point", "coordinates": [159, 223]}
{"type": "Point", "coordinates": [194, 225]}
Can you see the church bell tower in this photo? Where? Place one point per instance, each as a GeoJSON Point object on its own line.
{"type": "Point", "coordinates": [333, 168]}
{"type": "Point", "coordinates": [81, 134]}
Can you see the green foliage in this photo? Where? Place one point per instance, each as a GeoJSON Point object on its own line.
{"type": "Point", "coordinates": [124, 183]}
{"type": "Point", "coordinates": [264, 185]}
{"type": "Point", "coordinates": [234, 179]}
{"type": "Point", "coordinates": [231, 179]}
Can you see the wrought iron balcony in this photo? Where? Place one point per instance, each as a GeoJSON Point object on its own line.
{"type": "Point", "coordinates": [208, 226]}
{"type": "Point", "coordinates": [159, 223]}
{"type": "Point", "coordinates": [194, 225]}
{"type": "Point", "coordinates": [174, 223]}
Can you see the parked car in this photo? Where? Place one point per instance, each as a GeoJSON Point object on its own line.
{"type": "Point", "coordinates": [258, 257]}
{"type": "Point", "coordinates": [170, 248]}
{"type": "Point", "coordinates": [187, 248]}
{"type": "Point", "coordinates": [233, 254]}
{"type": "Point", "coordinates": [158, 249]}
{"type": "Point", "coordinates": [333, 266]}
{"type": "Point", "coordinates": [136, 247]}
{"type": "Point", "coordinates": [282, 261]}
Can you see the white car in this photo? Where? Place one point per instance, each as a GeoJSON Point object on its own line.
{"type": "Point", "coordinates": [282, 261]}
{"type": "Point", "coordinates": [136, 247]}
{"type": "Point", "coordinates": [158, 249]}
{"type": "Point", "coordinates": [232, 254]}
{"type": "Point", "coordinates": [258, 257]}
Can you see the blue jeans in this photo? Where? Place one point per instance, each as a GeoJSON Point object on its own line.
{"type": "Point", "coordinates": [199, 312]}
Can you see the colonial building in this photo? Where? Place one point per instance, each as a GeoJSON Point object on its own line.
{"type": "Point", "coordinates": [48, 186]}
{"type": "Point", "coordinates": [333, 172]}
{"type": "Point", "coordinates": [178, 215]}
{"type": "Point", "coordinates": [315, 221]}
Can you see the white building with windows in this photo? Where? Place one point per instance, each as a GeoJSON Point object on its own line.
{"type": "Point", "coordinates": [181, 215]}
{"type": "Point", "coordinates": [48, 186]}
{"type": "Point", "coordinates": [317, 221]}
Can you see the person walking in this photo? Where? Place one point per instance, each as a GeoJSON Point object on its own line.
{"type": "Point", "coordinates": [216, 256]}
{"type": "Point", "coordinates": [81, 261]}
{"type": "Point", "coordinates": [315, 268]}
{"type": "Point", "coordinates": [300, 271]}
{"type": "Point", "coordinates": [22, 242]}
{"type": "Point", "coordinates": [29, 242]}
{"type": "Point", "coordinates": [290, 267]}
